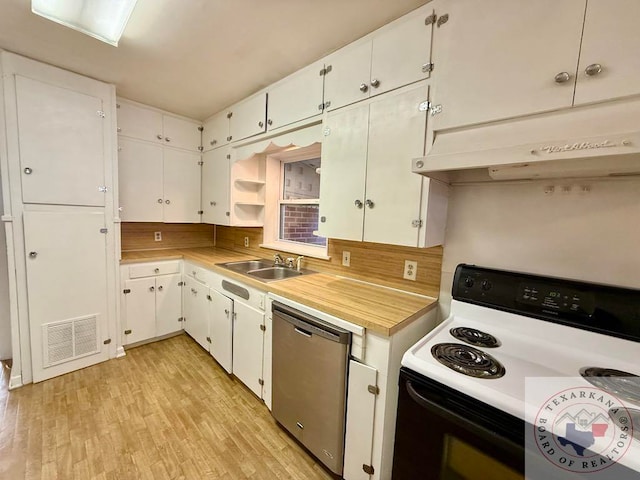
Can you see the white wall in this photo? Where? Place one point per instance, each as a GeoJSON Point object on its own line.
{"type": "Point", "coordinates": [592, 236]}
{"type": "Point", "coordinates": [5, 320]}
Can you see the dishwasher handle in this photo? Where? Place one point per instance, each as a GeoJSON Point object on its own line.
{"type": "Point", "coordinates": [310, 325]}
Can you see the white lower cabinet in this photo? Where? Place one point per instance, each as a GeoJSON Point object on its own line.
{"type": "Point", "coordinates": [197, 311]}
{"type": "Point", "coordinates": [248, 337]}
{"type": "Point", "coordinates": [221, 330]}
{"type": "Point", "coordinates": [151, 301]}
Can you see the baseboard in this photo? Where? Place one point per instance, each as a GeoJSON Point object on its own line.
{"type": "Point", "coordinates": [15, 381]}
{"type": "Point", "coordinates": [120, 352]}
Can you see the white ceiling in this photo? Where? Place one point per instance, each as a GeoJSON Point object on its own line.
{"type": "Point", "coordinates": [195, 57]}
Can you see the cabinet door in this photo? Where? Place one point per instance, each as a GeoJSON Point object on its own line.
{"type": "Point", "coordinates": [140, 310]}
{"type": "Point", "coordinates": [221, 330]}
{"type": "Point", "coordinates": [181, 186]}
{"type": "Point", "coordinates": [140, 181]}
{"type": "Point", "coordinates": [396, 135]}
{"type": "Point", "coordinates": [180, 133]}
{"type": "Point", "coordinates": [247, 346]}
{"type": "Point", "coordinates": [401, 52]}
{"type": "Point", "coordinates": [248, 117]}
{"type": "Point", "coordinates": [611, 39]}
{"type": "Point", "coordinates": [168, 304]}
{"type": "Point", "coordinates": [215, 132]}
{"type": "Point", "coordinates": [348, 80]}
{"type": "Point", "coordinates": [344, 157]}
{"type": "Point", "coordinates": [66, 266]}
{"type": "Point", "coordinates": [139, 122]}
{"type": "Point", "coordinates": [504, 68]}
{"type": "Point", "coordinates": [295, 98]}
{"type": "Point", "coordinates": [61, 135]}
{"type": "Point", "coordinates": [196, 312]}
{"type": "Point", "coordinates": [215, 187]}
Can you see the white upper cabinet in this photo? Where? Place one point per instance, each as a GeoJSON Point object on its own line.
{"type": "Point", "coordinates": [609, 65]}
{"type": "Point", "coordinates": [248, 118]}
{"type": "Point", "coordinates": [181, 186]}
{"type": "Point", "coordinates": [521, 59]}
{"type": "Point", "coordinates": [395, 55]}
{"type": "Point", "coordinates": [215, 131]}
{"type": "Point", "coordinates": [61, 135]}
{"type": "Point", "coordinates": [215, 186]}
{"type": "Point", "coordinates": [297, 97]}
{"type": "Point", "coordinates": [144, 123]}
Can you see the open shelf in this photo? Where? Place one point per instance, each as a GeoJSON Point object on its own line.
{"type": "Point", "coordinates": [250, 182]}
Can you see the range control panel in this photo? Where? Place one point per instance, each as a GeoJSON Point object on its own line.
{"type": "Point", "coordinates": [603, 308]}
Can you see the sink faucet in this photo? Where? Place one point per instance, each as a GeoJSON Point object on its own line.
{"type": "Point", "coordinates": [278, 260]}
{"type": "Point", "coordinates": [299, 262]}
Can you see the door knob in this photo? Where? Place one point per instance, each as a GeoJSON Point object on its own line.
{"type": "Point", "coordinates": [363, 87]}
{"type": "Point", "coordinates": [562, 77]}
{"type": "Point", "coordinates": [33, 254]}
{"type": "Point", "coordinates": [593, 69]}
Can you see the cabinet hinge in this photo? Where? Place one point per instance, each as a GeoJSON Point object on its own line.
{"type": "Point", "coordinates": [126, 290]}
{"type": "Point", "coordinates": [430, 19]}
{"type": "Point", "coordinates": [104, 230]}
{"type": "Point", "coordinates": [433, 109]}
{"type": "Point", "coordinates": [103, 189]}
{"type": "Point", "coordinates": [373, 389]}
{"type": "Point", "coordinates": [325, 70]}
{"type": "Point", "coordinates": [209, 298]}
{"type": "Point", "coordinates": [428, 67]}
{"type": "Point", "coordinates": [117, 105]}
{"type": "Point", "coordinates": [107, 341]}
{"type": "Point", "coordinates": [416, 223]}
{"type": "Point", "coordinates": [200, 149]}
{"type": "Point", "coordinates": [368, 469]}
{"type": "Point", "coordinates": [181, 284]}
{"type": "Point", "coordinates": [443, 19]}
{"type": "Point", "coordinates": [263, 328]}
{"type": "Point", "coordinates": [209, 339]}
{"type": "Point", "coordinates": [200, 212]}
{"type": "Point", "coordinates": [230, 114]}
{"type": "Point", "coordinates": [228, 156]}
{"type": "Point", "coordinates": [182, 319]}
{"type": "Point", "coordinates": [201, 128]}
{"type": "Point", "coordinates": [127, 332]}
{"type": "Point", "coordinates": [261, 381]}
{"type": "Point", "coordinates": [101, 114]}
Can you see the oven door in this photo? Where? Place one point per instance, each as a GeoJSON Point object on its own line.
{"type": "Point", "coordinates": [446, 435]}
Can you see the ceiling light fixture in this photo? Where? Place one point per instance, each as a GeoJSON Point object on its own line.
{"type": "Point", "coordinates": [101, 19]}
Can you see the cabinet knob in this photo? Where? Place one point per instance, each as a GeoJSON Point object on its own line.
{"type": "Point", "coordinates": [358, 203]}
{"type": "Point", "coordinates": [160, 288]}
{"type": "Point", "coordinates": [28, 171]}
{"type": "Point", "coordinates": [375, 83]}
{"type": "Point", "coordinates": [261, 124]}
{"type": "Point", "coordinates": [118, 129]}
{"type": "Point", "coordinates": [167, 202]}
{"type": "Point", "coordinates": [167, 139]}
{"type": "Point", "coordinates": [159, 137]}
{"type": "Point", "coordinates": [156, 270]}
{"type": "Point", "coordinates": [226, 311]}
{"type": "Point", "coordinates": [33, 254]}
{"type": "Point", "coordinates": [152, 289]}
{"type": "Point", "coordinates": [270, 122]}
{"type": "Point", "coordinates": [562, 77]}
{"type": "Point", "coordinates": [213, 142]}
{"type": "Point", "coordinates": [159, 200]}
{"type": "Point", "coordinates": [229, 138]}
{"type": "Point", "coordinates": [593, 69]}
{"type": "Point", "coordinates": [369, 203]}
{"type": "Point", "coordinates": [364, 87]}
{"type": "Point", "coordinates": [213, 204]}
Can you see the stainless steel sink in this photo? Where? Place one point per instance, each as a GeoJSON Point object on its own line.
{"type": "Point", "coordinates": [264, 270]}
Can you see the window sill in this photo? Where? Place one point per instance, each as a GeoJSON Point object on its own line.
{"type": "Point", "coordinates": [305, 250]}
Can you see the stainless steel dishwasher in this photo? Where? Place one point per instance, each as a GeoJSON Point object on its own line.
{"type": "Point", "coordinates": [310, 359]}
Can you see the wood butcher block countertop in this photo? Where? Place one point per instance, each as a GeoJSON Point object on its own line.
{"type": "Point", "coordinates": [379, 309]}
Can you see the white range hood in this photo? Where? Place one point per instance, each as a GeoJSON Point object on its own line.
{"type": "Point", "coordinates": [591, 141]}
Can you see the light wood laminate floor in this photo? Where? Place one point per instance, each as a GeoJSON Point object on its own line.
{"type": "Point", "coordinates": [165, 411]}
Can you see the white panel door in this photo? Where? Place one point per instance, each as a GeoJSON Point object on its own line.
{"type": "Point", "coordinates": [344, 158]}
{"type": "Point", "coordinates": [361, 404]}
{"type": "Point", "coordinates": [216, 131]}
{"type": "Point", "coordinates": [61, 135]}
{"type": "Point", "coordinates": [400, 52]}
{"type": "Point", "coordinates": [180, 133]}
{"type": "Point", "coordinates": [181, 186]}
{"type": "Point", "coordinates": [196, 311]}
{"type": "Point", "coordinates": [215, 187]}
{"type": "Point", "coordinates": [248, 118]}
{"type": "Point", "coordinates": [295, 98]}
{"type": "Point", "coordinates": [396, 135]}
{"type": "Point", "coordinates": [505, 66]}
{"type": "Point", "coordinates": [140, 181]}
{"type": "Point", "coordinates": [221, 330]}
{"type": "Point", "coordinates": [139, 310]}
{"type": "Point", "coordinates": [611, 39]}
{"type": "Point", "coordinates": [67, 285]}
{"type": "Point", "coordinates": [247, 346]}
{"type": "Point", "coordinates": [348, 80]}
{"type": "Point", "coordinates": [139, 122]}
{"type": "Point", "coordinates": [168, 307]}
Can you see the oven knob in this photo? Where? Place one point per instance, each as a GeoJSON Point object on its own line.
{"type": "Point", "coordinates": [485, 285]}
{"type": "Point", "coordinates": [468, 282]}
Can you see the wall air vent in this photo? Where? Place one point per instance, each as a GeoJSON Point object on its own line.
{"type": "Point", "coordinates": [69, 339]}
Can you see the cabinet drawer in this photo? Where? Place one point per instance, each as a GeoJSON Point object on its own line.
{"type": "Point", "coordinates": [153, 269]}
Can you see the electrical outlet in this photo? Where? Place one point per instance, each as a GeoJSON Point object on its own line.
{"type": "Point", "coordinates": [246, 241]}
{"type": "Point", "coordinates": [157, 236]}
{"type": "Point", "coordinates": [346, 259]}
{"type": "Point", "coordinates": [410, 270]}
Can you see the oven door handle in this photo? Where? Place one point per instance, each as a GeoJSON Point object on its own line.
{"type": "Point", "coordinates": [460, 420]}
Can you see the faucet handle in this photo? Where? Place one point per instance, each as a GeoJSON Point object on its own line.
{"type": "Point", "coordinates": [299, 262]}
{"type": "Point", "coordinates": [290, 262]}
